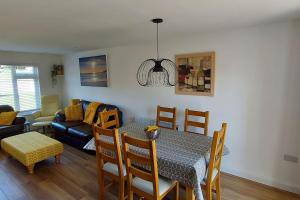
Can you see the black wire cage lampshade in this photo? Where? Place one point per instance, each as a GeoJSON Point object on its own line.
{"type": "Point", "coordinates": [156, 72]}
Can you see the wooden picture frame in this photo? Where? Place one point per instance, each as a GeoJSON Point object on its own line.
{"type": "Point", "coordinates": [195, 74]}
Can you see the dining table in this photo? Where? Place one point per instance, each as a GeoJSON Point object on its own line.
{"type": "Point", "coordinates": [181, 156]}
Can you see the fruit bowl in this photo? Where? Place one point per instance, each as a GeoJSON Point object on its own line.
{"type": "Point", "coordinates": [152, 132]}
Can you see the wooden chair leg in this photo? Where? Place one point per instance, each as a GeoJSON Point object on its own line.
{"type": "Point", "coordinates": [177, 191]}
{"type": "Point", "coordinates": [30, 168]}
{"type": "Point", "coordinates": [57, 158]}
{"type": "Point", "coordinates": [218, 187]}
{"type": "Point", "coordinates": [208, 192]}
{"type": "Point", "coordinates": [130, 195]}
{"type": "Point", "coordinates": [129, 192]}
{"type": "Point", "coordinates": [101, 186]}
{"type": "Point", "coordinates": [121, 190]}
{"type": "Point", "coordinates": [189, 193]}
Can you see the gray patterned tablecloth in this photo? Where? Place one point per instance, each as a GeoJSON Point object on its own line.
{"type": "Point", "coordinates": [181, 156]}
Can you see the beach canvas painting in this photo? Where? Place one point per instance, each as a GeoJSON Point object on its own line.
{"type": "Point", "coordinates": [93, 71]}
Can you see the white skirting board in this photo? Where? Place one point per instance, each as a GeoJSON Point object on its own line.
{"type": "Point", "coordinates": [264, 180]}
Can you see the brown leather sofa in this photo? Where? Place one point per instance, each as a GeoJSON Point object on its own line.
{"type": "Point", "coordinates": [17, 126]}
{"type": "Point", "coordinates": [78, 133]}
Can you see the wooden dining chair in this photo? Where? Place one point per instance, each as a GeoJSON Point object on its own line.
{"type": "Point", "coordinates": [110, 119]}
{"type": "Point", "coordinates": [213, 176]}
{"type": "Point", "coordinates": [107, 165]}
{"type": "Point", "coordinates": [189, 123]}
{"type": "Point", "coordinates": [162, 119]}
{"type": "Point", "coordinates": [142, 182]}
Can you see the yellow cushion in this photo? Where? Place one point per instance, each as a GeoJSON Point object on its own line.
{"type": "Point", "coordinates": [74, 102]}
{"type": "Point", "coordinates": [99, 118]}
{"type": "Point", "coordinates": [74, 113]}
{"type": "Point", "coordinates": [90, 112]}
{"type": "Point", "coordinates": [32, 147]}
{"type": "Point", "coordinates": [7, 118]}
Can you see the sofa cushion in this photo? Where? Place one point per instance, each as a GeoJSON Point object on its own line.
{"type": "Point", "coordinates": [5, 130]}
{"type": "Point", "coordinates": [63, 126]}
{"type": "Point", "coordinates": [82, 131]}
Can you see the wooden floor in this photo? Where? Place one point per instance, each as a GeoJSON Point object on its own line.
{"type": "Point", "coordinates": [75, 178]}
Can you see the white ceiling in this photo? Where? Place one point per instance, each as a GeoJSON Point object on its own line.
{"type": "Point", "coordinates": [62, 26]}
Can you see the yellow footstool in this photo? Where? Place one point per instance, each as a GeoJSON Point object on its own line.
{"type": "Point", "coordinates": [32, 147]}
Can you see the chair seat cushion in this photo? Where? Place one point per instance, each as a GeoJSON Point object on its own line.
{"type": "Point", "coordinates": [214, 174]}
{"type": "Point", "coordinates": [42, 119]}
{"type": "Point", "coordinates": [113, 169]}
{"type": "Point", "coordinates": [82, 131]}
{"type": "Point", "coordinates": [146, 186]}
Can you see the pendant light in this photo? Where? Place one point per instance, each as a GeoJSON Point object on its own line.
{"type": "Point", "coordinates": [156, 72]}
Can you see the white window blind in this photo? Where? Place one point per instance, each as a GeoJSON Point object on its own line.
{"type": "Point", "coordinates": [20, 87]}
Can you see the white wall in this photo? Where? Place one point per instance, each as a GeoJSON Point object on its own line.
{"type": "Point", "coordinates": [44, 62]}
{"type": "Point", "coordinates": [257, 93]}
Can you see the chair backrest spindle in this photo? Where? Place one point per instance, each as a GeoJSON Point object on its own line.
{"type": "Point", "coordinates": [188, 122]}
{"type": "Point", "coordinates": [107, 121]}
{"type": "Point", "coordinates": [170, 120]}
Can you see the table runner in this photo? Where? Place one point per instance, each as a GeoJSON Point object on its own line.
{"type": "Point", "coordinates": [181, 156]}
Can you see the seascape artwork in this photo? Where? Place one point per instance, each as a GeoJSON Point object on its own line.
{"type": "Point", "coordinates": [93, 71]}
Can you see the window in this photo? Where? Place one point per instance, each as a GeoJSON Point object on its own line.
{"type": "Point", "coordinates": [20, 87]}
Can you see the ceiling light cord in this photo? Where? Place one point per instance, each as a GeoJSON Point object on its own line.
{"type": "Point", "coordinates": [157, 72]}
{"type": "Point", "coordinates": [157, 53]}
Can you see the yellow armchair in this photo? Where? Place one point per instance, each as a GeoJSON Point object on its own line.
{"type": "Point", "coordinates": [49, 107]}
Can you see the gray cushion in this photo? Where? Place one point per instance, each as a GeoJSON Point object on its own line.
{"type": "Point", "coordinates": [146, 186]}
{"type": "Point", "coordinates": [113, 169]}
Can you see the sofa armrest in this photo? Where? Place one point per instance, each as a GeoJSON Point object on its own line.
{"type": "Point", "coordinates": [59, 117]}
{"type": "Point", "coordinates": [19, 121]}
